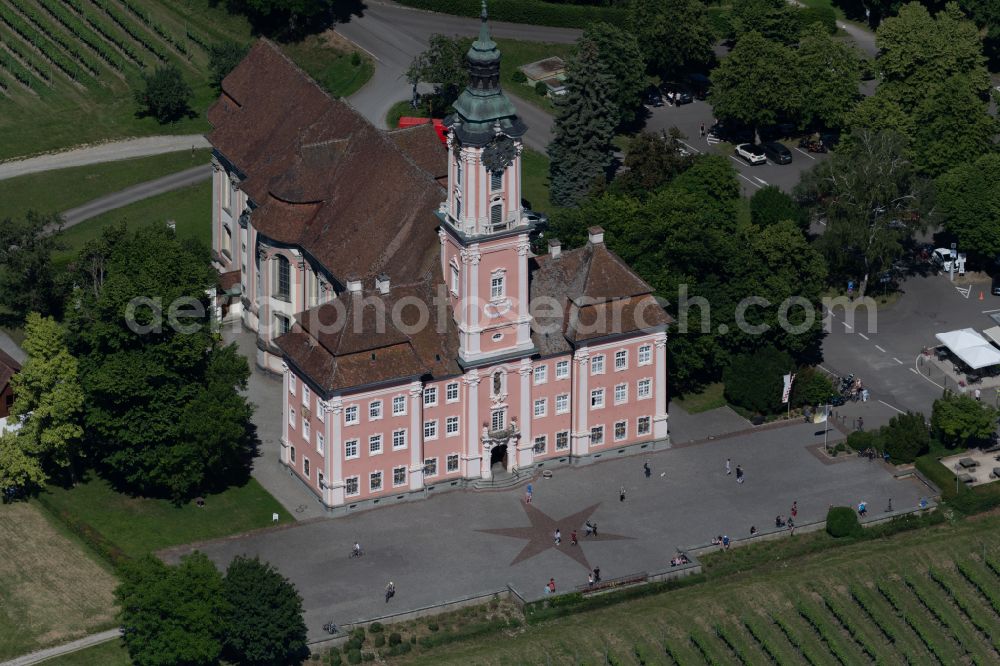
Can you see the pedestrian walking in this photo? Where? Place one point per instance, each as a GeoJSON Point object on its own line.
{"type": "Point", "coordinates": [753, 530]}
{"type": "Point", "coordinates": [390, 591]}
{"type": "Point", "coordinates": [703, 130]}
{"type": "Point", "coordinates": [861, 423]}
{"type": "Point", "coordinates": [572, 539]}
{"type": "Point", "coordinates": [590, 579]}
{"type": "Point", "coordinates": [588, 529]}
{"type": "Point", "coordinates": [597, 574]}
{"type": "Point", "coordinates": [647, 470]}
{"type": "Point", "coordinates": [888, 509]}
{"type": "Point", "coordinates": [729, 467]}
{"type": "Point", "coordinates": [979, 395]}
{"type": "Point", "coordinates": [557, 536]}
{"type": "Point", "coordinates": [621, 494]}
{"type": "Point", "coordinates": [739, 474]}
{"type": "Point", "coordinates": [527, 494]}
{"type": "Point", "coordinates": [725, 541]}
{"type": "Point", "coordinates": [595, 529]}
{"type": "Point", "coordinates": [795, 509]}
{"type": "Point", "coordinates": [552, 586]}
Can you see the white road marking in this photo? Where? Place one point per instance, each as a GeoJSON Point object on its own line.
{"type": "Point", "coordinates": [897, 360]}
{"type": "Point", "coordinates": [917, 372]}
{"type": "Point", "coordinates": [879, 348]}
{"type": "Point", "coordinates": [989, 311]}
{"type": "Point", "coordinates": [711, 140]}
{"type": "Point", "coordinates": [914, 371]}
{"type": "Point", "coordinates": [891, 407]}
{"type": "Point", "coordinates": [691, 147]}
{"type": "Point", "coordinates": [861, 334]}
{"type": "Point", "coordinates": [804, 153]}
{"type": "Point", "coordinates": [761, 180]}
{"type": "Point", "coordinates": [748, 180]}
{"type": "Point", "coordinates": [965, 291]}
{"type": "Point", "coordinates": [848, 326]}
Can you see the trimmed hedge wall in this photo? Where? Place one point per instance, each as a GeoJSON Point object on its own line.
{"type": "Point", "coordinates": [963, 499]}
{"type": "Point", "coordinates": [526, 11]}
{"type": "Point", "coordinates": [97, 542]}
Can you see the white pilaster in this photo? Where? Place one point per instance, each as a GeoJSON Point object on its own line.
{"type": "Point", "coordinates": [334, 421]}
{"type": "Point", "coordinates": [473, 443]}
{"type": "Point", "coordinates": [524, 312]}
{"type": "Point", "coordinates": [284, 412]}
{"type": "Point", "coordinates": [416, 442]}
{"type": "Point", "coordinates": [580, 445]}
{"type": "Point", "coordinates": [525, 444]}
{"type": "Point", "coordinates": [661, 420]}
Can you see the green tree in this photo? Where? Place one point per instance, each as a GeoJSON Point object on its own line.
{"type": "Point", "coordinates": [444, 65]}
{"type": "Point", "coordinates": [48, 396]}
{"type": "Point", "coordinates": [27, 277]}
{"type": "Point", "coordinates": [652, 160]}
{"type": "Point", "coordinates": [770, 205]}
{"type": "Point", "coordinates": [968, 200]}
{"type": "Point", "coordinates": [673, 35]}
{"type": "Point", "coordinates": [860, 190]}
{"type": "Point", "coordinates": [754, 381]}
{"type": "Point", "coordinates": [829, 73]}
{"type": "Point", "coordinates": [165, 95]}
{"type": "Point", "coordinates": [619, 51]}
{"type": "Point", "coordinates": [164, 415]}
{"type": "Point", "coordinates": [171, 615]}
{"type": "Point", "coordinates": [962, 421]}
{"type": "Point", "coordinates": [953, 126]}
{"type": "Point", "coordinates": [877, 114]}
{"type": "Point", "coordinates": [905, 437]}
{"type": "Point", "coordinates": [223, 58]}
{"type": "Point", "coordinates": [776, 20]}
{"type": "Point", "coordinates": [289, 19]}
{"type": "Point", "coordinates": [580, 154]}
{"type": "Point", "coordinates": [811, 388]}
{"type": "Point", "coordinates": [20, 472]}
{"type": "Point", "coordinates": [263, 625]}
{"type": "Point", "coordinates": [756, 83]}
{"type": "Point", "coordinates": [841, 521]}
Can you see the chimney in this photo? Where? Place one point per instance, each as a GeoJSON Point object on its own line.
{"type": "Point", "coordinates": [555, 248]}
{"type": "Point", "coordinates": [382, 284]}
{"type": "Point", "coordinates": [595, 235]}
{"type": "Point", "coordinates": [354, 284]}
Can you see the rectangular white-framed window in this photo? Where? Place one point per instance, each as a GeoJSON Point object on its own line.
{"type": "Point", "coordinates": [642, 425]}
{"type": "Point", "coordinates": [541, 374]}
{"type": "Point", "coordinates": [597, 398]}
{"type": "Point", "coordinates": [375, 482]}
{"type": "Point", "coordinates": [351, 449]}
{"type": "Point", "coordinates": [399, 405]}
{"type": "Point", "coordinates": [621, 360]}
{"type": "Point", "coordinates": [398, 476]}
{"type": "Point", "coordinates": [375, 444]}
{"type": "Point", "coordinates": [562, 403]}
{"type": "Point", "coordinates": [430, 466]}
{"type": "Point", "coordinates": [305, 467]}
{"type": "Point", "coordinates": [374, 410]}
{"type": "Point", "coordinates": [291, 418]}
{"type": "Point", "coordinates": [644, 389]}
{"type": "Point", "coordinates": [597, 435]}
{"type": "Point", "coordinates": [351, 415]}
{"type": "Point", "coordinates": [352, 486]}
{"type": "Point", "coordinates": [645, 354]}
{"type": "Point", "coordinates": [621, 430]}
{"type": "Point", "coordinates": [498, 419]}
{"type": "Point", "coordinates": [320, 411]}
{"type": "Point", "coordinates": [305, 395]}
{"type": "Point", "coordinates": [539, 446]}
{"type": "Point", "coordinates": [320, 444]}
{"type": "Point", "coordinates": [399, 439]}
{"type": "Point", "coordinates": [291, 383]}
{"type": "Point", "coordinates": [227, 191]}
{"type": "Point", "coordinates": [562, 440]}
{"type": "Point", "coordinates": [291, 454]}
{"type": "Point", "coordinates": [282, 323]}
{"type": "Point", "coordinates": [562, 369]}
{"type": "Point", "coordinates": [452, 462]}
{"type": "Point", "coordinates": [451, 426]}
{"type": "Point", "coordinates": [597, 364]}
{"type": "Point", "coordinates": [430, 396]}
{"type": "Point", "coordinates": [540, 408]}
{"type": "Point", "coordinates": [430, 429]}
{"type": "Point", "coordinates": [621, 393]}
{"type": "Point", "coordinates": [451, 392]}
{"type": "Point", "coordinates": [306, 430]}
{"type": "Point", "coordinates": [497, 288]}
{"type": "Point", "coordinates": [454, 279]}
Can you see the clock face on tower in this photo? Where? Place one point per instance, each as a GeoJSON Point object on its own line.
{"type": "Point", "coordinates": [499, 154]}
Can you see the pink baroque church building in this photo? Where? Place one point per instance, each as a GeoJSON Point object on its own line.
{"type": "Point", "coordinates": [391, 281]}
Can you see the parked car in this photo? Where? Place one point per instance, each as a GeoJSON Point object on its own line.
{"type": "Point", "coordinates": [653, 98]}
{"type": "Point", "coordinates": [995, 288]}
{"type": "Point", "coordinates": [751, 153]}
{"type": "Point", "coordinates": [731, 133]}
{"type": "Point", "coordinates": [777, 152]}
{"type": "Point", "coordinates": [942, 257]}
{"type": "Point", "coordinates": [535, 218]}
{"type": "Point", "coordinates": [699, 85]}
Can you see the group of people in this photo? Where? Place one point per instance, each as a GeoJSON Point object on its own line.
{"type": "Point", "coordinates": [573, 541]}
{"type": "Point", "coordinates": [679, 559]}
{"type": "Point", "coordinates": [739, 471]}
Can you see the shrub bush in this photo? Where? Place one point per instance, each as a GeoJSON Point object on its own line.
{"type": "Point", "coordinates": [541, 88]}
{"type": "Point", "coordinates": [518, 76]}
{"type": "Point", "coordinates": [355, 59]}
{"type": "Point", "coordinates": [376, 627]}
{"type": "Point", "coordinates": [862, 440]}
{"type": "Point", "coordinates": [379, 640]}
{"type": "Point", "coordinates": [905, 437]}
{"type": "Point", "coordinates": [841, 521]}
{"type": "Point", "coordinates": [433, 626]}
{"type": "Point", "coordinates": [811, 387]}
{"type": "Point", "coordinates": [527, 11]}
{"type": "Point", "coordinates": [395, 638]}
{"type": "Point", "coordinates": [753, 381]}
{"type": "Point", "coordinates": [354, 657]}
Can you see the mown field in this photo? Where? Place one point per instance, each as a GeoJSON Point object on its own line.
{"type": "Point", "coordinates": [930, 596]}
{"type": "Point", "coordinates": [68, 67]}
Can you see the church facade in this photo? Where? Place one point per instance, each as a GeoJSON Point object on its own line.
{"type": "Point", "coordinates": [390, 279]}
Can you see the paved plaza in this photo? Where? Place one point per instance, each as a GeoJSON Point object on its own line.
{"type": "Point", "coordinates": [461, 543]}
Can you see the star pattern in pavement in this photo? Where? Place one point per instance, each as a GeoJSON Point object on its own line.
{"type": "Point", "coordinates": [539, 534]}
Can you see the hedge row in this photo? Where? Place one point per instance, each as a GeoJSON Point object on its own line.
{"type": "Point", "coordinates": [527, 11]}
{"type": "Point", "coordinates": [566, 604]}
{"type": "Point", "coordinates": [963, 499]}
{"type": "Point", "coordinates": [106, 549]}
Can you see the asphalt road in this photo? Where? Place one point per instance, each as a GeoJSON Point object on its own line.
{"type": "Point", "coordinates": [103, 152]}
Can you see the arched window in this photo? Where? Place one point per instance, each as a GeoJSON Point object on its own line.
{"type": "Point", "coordinates": [496, 181]}
{"type": "Point", "coordinates": [283, 286]}
{"type": "Point", "coordinates": [496, 214]}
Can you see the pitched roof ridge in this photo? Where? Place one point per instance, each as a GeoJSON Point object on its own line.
{"type": "Point", "coordinates": [623, 265]}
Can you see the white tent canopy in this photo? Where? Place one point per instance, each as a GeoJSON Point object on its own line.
{"type": "Point", "coordinates": [968, 345]}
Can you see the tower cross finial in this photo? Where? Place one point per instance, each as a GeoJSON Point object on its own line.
{"type": "Point", "coordinates": [482, 14]}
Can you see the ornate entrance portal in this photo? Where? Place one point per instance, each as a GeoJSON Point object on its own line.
{"type": "Point", "coordinates": [498, 456]}
{"type": "Point", "coordinates": [500, 449]}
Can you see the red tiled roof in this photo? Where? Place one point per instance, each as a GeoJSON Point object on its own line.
{"type": "Point", "coordinates": [422, 144]}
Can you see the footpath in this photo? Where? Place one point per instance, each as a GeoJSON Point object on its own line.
{"type": "Point", "coordinates": [59, 650]}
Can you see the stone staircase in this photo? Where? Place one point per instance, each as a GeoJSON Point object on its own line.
{"type": "Point", "coordinates": [503, 480]}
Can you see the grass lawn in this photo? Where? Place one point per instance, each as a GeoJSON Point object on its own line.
{"type": "Point", "coordinates": [331, 63]}
{"type": "Point", "coordinates": [112, 653]}
{"type": "Point", "coordinates": [535, 180]}
{"type": "Point", "coordinates": [53, 591]}
{"type": "Point", "coordinates": [826, 605]}
{"type": "Point", "coordinates": [825, 3]}
{"type": "Point", "coordinates": [189, 207]}
{"type": "Point", "coordinates": [709, 398]}
{"type": "Point", "coordinates": [62, 189]}
{"type": "Point", "coordinates": [400, 109]}
{"type": "Point", "coordinates": [139, 525]}
{"type": "Point", "coordinates": [517, 53]}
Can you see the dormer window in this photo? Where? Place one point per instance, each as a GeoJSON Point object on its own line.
{"type": "Point", "coordinates": [496, 181]}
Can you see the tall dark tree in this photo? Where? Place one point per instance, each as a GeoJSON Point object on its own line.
{"type": "Point", "coordinates": [290, 19]}
{"type": "Point", "coordinates": [619, 50]}
{"type": "Point", "coordinates": [829, 73]}
{"type": "Point", "coordinates": [673, 35]}
{"type": "Point", "coordinates": [581, 151]}
{"type": "Point", "coordinates": [652, 160]}
{"type": "Point", "coordinates": [223, 58]}
{"type": "Point", "coordinates": [952, 127]}
{"type": "Point", "coordinates": [776, 20]}
{"type": "Point", "coordinates": [27, 277]}
{"type": "Point", "coordinates": [443, 64]}
{"type": "Point", "coordinates": [164, 95]}
{"type": "Point", "coordinates": [770, 205]}
{"type": "Point", "coordinates": [171, 615]}
{"type": "Point", "coordinates": [263, 624]}
{"type": "Point", "coordinates": [968, 200]}
{"type": "Point", "coordinates": [164, 415]}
